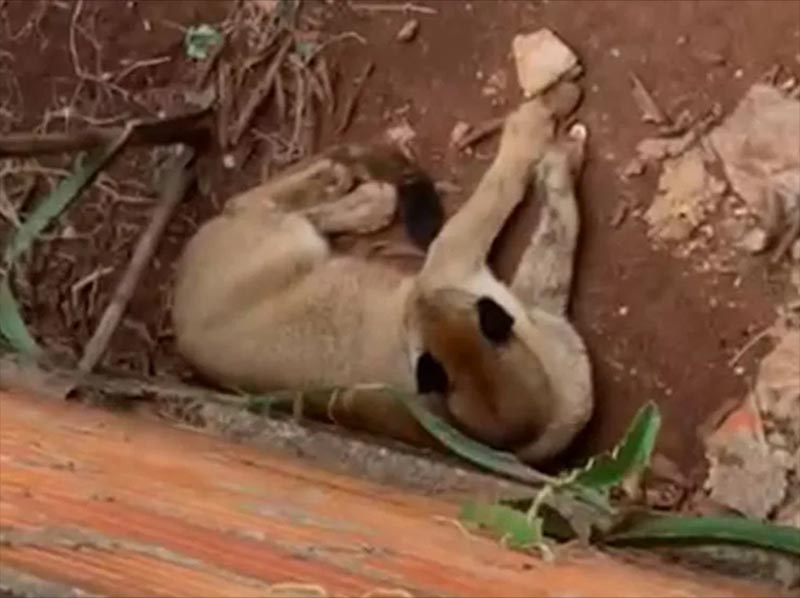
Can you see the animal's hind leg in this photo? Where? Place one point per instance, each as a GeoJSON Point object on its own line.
{"type": "Point", "coordinates": [368, 208]}
{"type": "Point", "coordinates": [544, 276]}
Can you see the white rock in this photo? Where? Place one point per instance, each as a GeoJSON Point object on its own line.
{"type": "Point", "coordinates": [460, 131]}
{"type": "Point", "coordinates": [754, 241]}
{"type": "Point", "coordinates": [541, 59]}
{"type": "Point", "coordinates": [408, 31]}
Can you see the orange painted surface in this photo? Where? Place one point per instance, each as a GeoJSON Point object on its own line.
{"type": "Point", "coordinates": [117, 505]}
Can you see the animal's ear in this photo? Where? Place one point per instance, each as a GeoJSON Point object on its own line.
{"type": "Point", "coordinates": [495, 322]}
{"type": "Point", "coordinates": [431, 377]}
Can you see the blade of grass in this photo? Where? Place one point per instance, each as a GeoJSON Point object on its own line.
{"type": "Point", "coordinates": [12, 324]}
{"type": "Point", "coordinates": [666, 529]}
{"type": "Point", "coordinates": [64, 193]}
{"type": "Point", "coordinates": [469, 449]}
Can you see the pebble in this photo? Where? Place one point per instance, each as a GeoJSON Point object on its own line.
{"type": "Point", "coordinates": [408, 31]}
{"type": "Point", "coordinates": [754, 241]}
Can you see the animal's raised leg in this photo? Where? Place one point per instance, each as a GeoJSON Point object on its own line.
{"type": "Point", "coordinates": [544, 276]}
{"type": "Point", "coordinates": [368, 208]}
{"type": "Point", "coordinates": [469, 233]}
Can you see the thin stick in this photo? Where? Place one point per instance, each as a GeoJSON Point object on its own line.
{"type": "Point", "coordinates": [749, 345]}
{"type": "Point", "coordinates": [406, 8]}
{"type": "Point", "coordinates": [176, 182]}
{"type": "Point", "coordinates": [483, 130]}
{"type": "Point", "coordinates": [330, 97]}
{"type": "Point", "coordinates": [352, 101]}
{"type": "Point", "coordinates": [259, 94]}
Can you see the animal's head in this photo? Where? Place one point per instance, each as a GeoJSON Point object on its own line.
{"type": "Point", "coordinates": [479, 357]}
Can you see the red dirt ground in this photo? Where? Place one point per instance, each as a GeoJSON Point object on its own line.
{"type": "Point", "coordinates": [680, 327]}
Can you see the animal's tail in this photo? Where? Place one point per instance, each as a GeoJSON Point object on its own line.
{"type": "Point", "coordinates": [420, 208]}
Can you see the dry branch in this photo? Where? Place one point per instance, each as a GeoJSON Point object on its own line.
{"type": "Point", "coordinates": [174, 186]}
{"type": "Point", "coordinates": [191, 129]}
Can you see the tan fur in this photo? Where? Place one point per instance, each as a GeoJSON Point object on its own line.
{"type": "Point", "coordinates": [261, 303]}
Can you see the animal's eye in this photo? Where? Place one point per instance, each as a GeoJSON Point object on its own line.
{"type": "Point", "coordinates": [431, 377]}
{"type": "Point", "coordinates": [495, 322]}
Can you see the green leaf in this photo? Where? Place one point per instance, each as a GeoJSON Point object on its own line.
{"type": "Point", "coordinates": [650, 528]}
{"type": "Point", "coordinates": [629, 458]}
{"type": "Point", "coordinates": [513, 528]}
{"type": "Point", "coordinates": [12, 325]}
{"type": "Point", "coordinates": [472, 450]}
{"type": "Point", "coordinates": [499, 461]}
{"type": "Point", "coordinates": [200, 40]}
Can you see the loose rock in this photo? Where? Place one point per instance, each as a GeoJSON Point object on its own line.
{"type": "Point", "coordinates": [758, 147]}
{"type": "Point", "coordinates": [778, 383]}
{"type": "Point", "coordinates": [744, 476]}
{"type": "Point", "coordinates": [408, 31]}
{"type": "Point", "coordinates": [459, 132]}
{"type": "Point", "coordinates": [541, 59]}
{"type": "Point", "coordinates": [754, 241]}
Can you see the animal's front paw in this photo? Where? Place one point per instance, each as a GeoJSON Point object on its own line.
{"type": "Point", "coordinates": [527, 131]}
{"type": "Point", "coordinates": [564, 160]}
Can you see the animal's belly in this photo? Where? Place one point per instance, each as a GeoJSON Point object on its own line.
{"type": "Point", "coordinates": [297, 349]}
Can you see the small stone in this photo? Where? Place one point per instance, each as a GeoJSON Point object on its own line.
{"type": "Point", "coordinates": [754, 241]}
{"type": "Point", "coordinates": [635, 167]}
{"type": "Point", "coordinates": [541, 59]}
{"type": "Point", "coordinates": [69, 233]}
{"type": "Point", "coordinates": [795, 251]}
{"type": "Point", "coordinates": [460, 130]}
{"type": "Point", "coordinates": [402, 136]}
{"type": "Point", "coordinates": [745, 477]}
{"type": "Point", "coordinates": [408, 31]}
{"type": "Point", "coordinates": [228, 161]}
{"type": "Point", "coordinates": [789, 84]}
{"type": "Point", "coordinates": [623, 310]}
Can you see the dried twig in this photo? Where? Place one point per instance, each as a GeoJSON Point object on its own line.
{"type": "Point", "coordinates": [140, 64]}
{"type": "Point", "coordinates": [651, 112]}
{"type": "Point", "coordinates": [80, 72]}
{"type": "Point", "coordinates": [176, 182]}
{"type": "Point", "coordinates": [322, 70]}
{"type": "Point", "coordinates": [224, 103]}
{"type": "Point", "coordinates": [352, 101]}
{"type": "Point", "coordinates": [260, 93]}
{"type": "Point", "coordinates": [407, 7]}
{"type": "Point", "coordinates": [480, 132]}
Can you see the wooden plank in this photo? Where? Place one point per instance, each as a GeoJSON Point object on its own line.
{"type": "Point", "coordinates": [117, 505]}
